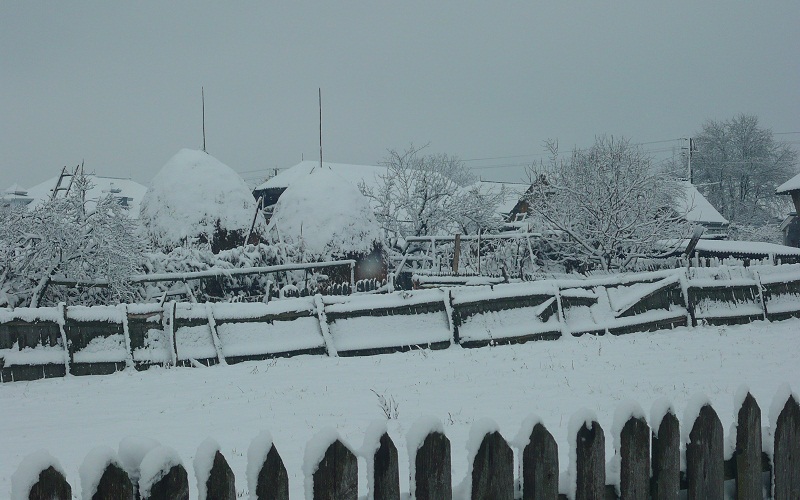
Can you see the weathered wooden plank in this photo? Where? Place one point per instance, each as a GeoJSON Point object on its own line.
{"type": "Point", "coordinates": [52, 485]}
{"type": "Point", "coordinates": [493, 469]}
{"type": "Point", "coordinates": [432, 476]}
{"type": "Point", "coordinates": [336, 477]}
{"type": "Point", "coordinates": [540, 466]}
{"type": "Point", "coordinates": [590, 463]}
{"type": "Point", "coordinates": [705, 470]}
{"type": "Point", "coordinates": [221, 483]}
{"type": "Point", "coordinates": [787, 451]}
{"type": "Point", "coordinates": [114, 484]}
{"type": "Point", "coordinates": [173, 486]}
{"type": "Point", "coordinates": [273, 481]}
{"type": "Point", "coordinates": [748, 450]}
{"type": "Point", "coordinates": [385, 474]}
{"type": "Point", "coordinates": [666, 482]}
{"type": "Point", "coordinates": [635, 459]}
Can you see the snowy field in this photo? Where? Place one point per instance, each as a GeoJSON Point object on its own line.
{"type": "Point", "coordinates": [296, 398]}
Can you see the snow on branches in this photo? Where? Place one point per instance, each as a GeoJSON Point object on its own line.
{"type": "Point", "coordinates": [604, 205]}
{"type": "Point", "coordinates": [69, 238]}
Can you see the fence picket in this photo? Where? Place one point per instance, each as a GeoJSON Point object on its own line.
{"type": "Point", "coordinates": [705, 471]}
{"type": "Point", "coordinates": [540, 466]}
{"type": "Point", "coordinates": [115, 484]}
{"type": "Point", "coordinates": [432, 475]}
{"type": "Point", "coordinates": [273, 481]}
{"type": "Point", "coordinates": [52, 485]}
{"type": "Point", "coordinates": [748, 450]}
{"type": "Point", "coordinates": [666, 482]}
{"type": "Point", "coordinates": [787, 451]}
{"type": "Point", "coordinates": [385, 474]}
{"type": "Point", "coordinates": [590, 463]}
{"type": "Point", "coordinates": [221, 482]}
{"type": "Point", "coordinates": [493, 469]}
{"type": "Point", "coordinates": [173, 486]}
{"type": "Point", "coordinates": [336, 477]}
{"type": "Point", "coordinates": [635, 459]}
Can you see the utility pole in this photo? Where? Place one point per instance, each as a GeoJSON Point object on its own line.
{"type": "Point", "coordinates": [320, 128]}
{"type": "Point", "coordinates": [692, 150]}
{"type": "Point", "coordinates": [203, 99]}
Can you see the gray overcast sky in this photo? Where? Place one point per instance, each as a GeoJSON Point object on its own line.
{"type": "Point", "coordinates": [118, 84]}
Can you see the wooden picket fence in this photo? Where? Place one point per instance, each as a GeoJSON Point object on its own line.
{"type": "Point", "coordinates": [650, 466]}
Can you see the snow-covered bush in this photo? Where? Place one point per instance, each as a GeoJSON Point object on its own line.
{"type": "Point", "coordinates": [197, 200]}
{"type": "Point", "coordinates": [72, 238]}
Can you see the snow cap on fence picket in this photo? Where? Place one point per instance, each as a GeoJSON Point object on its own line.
{"type": "Point", "coordinates": [203, 462]}
{"type": "Point", "coordinates": [730, 437]}
{"type": "Point", "coordinates": [415, 437]}
{"type": "Point", "coordinates": [256, 456]}
{"type": "Point", "coordinates": [93, 468]}
{"type": "Point", "coordinates": [477, 432]}
{"type": "Point", "coordinates": [658, 411]}
{"type": "Point", "coordinates": [27, 474]}
{"type": "Point", "coordinates": [523, 437]}
{"type": "Point", "coordinates": [775, 408]}
{"type": "Point", "coordinates": [155, 465]}
{"type": "Point", "coordinates": [584, 416]}
{"type": "Point", "coordinates": [315, 452]}
{"type": "Point", "coordinates": [693, 407]}
{"type": "Point", "coordinates": [132, 451]}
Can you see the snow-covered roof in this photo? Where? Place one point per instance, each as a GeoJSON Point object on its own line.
{"type": "Point", "coordinates": [354, 174]}
{"type": "Point", "coordinates": [792, 184]}
{"type": "Point", "coordinates": [697, 207]}
{"type": "Point", "coordinates": [327, 214]}
{"type": "Point", "coordinates": [514, 191]}
{"type": "Point", "coordinates": [128, 191]}
{"type": "Point", "coordinates": [751, 248]}
{"type": "Point", "coordinates": [190, 195]}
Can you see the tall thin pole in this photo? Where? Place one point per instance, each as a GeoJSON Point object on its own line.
{"type": "Point", "coordinates": [203, 98]}
{"type": "Point", "coordinates": [320, 128]}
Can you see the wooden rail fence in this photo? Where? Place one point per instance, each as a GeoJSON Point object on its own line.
{"type": "Point", "coordinates": [650, 461]}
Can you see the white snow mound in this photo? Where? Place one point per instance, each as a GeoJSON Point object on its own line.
{"type": "Point", "coordinates": [325, 215]}
{"type": "Point", "coordinates": [191, 194]}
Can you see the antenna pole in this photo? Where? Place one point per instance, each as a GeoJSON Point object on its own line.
{"type": "Point", "coordinates": [203, 98]}
{"type": "Point", "coordinates": [320, 127]}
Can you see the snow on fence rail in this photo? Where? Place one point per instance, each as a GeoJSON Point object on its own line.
{"type": "Point", "coordinates": [650, 458]}
{"type": "Point", "coordinates": [52, 342]}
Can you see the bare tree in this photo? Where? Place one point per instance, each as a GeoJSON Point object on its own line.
{"type": "Point", "coordinates": [737, 167]}
{"type": "Point", "coordinates": [605, 205]}
{"type": "Point", "coordinates": [430, 195]}
{"type": "Point", "coordinates": [70, 237]}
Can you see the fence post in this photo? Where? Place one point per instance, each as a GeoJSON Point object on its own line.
{"type": "Point", "coordinates": [115, 484]}
{"type": "Point", "coordinates": [635, 459]}
{"type": "Point", "coordinates": [540, 466]}
{"type": "Point", "coordinates": [493, 469]}
{"type": "Point", "coordinates": [273, 482]}
{"type": "Point", "coordinates": [590, 464]}
{"type": "Point", "coordinates": [221, 481]}
{"type": "Point", "coordinates": [385, 474]}
{"type": "Point", "coordinates": [62, 322]}
{"type": "Point", "coordinates": [169, 331]}
{"type": "Point", "coordinates": [212, 325]}
{"type": "Point", "coordinates": [173, 486]}
{"type": "Point", "coordinates": [666, 481]}
{"type": "Point", "coordinates": [52, 485]}
{"type": "Point", "coordinates": [432, 475]}
{"type": "Point", "coordinates": [748, 450]}
{"type": "Point", "coordinates": [704, 457]}
{"type": "Point", "coordinates": [787, 451]}
{"type": "Point", "coordinates": [336, 477]}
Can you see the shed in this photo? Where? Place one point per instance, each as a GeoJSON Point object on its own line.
{"type": "Point", "coordinates": [791, 225]}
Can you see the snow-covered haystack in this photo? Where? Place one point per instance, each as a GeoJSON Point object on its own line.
{"type": "Point", "coordinates": [197, 198]}
{"type": "Point", "coordinates": [327, 218]}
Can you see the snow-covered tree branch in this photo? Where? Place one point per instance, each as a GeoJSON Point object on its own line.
{"type": "Point", "coordinates": [604, 206]}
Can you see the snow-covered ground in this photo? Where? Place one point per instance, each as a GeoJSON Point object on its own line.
{"type": "Point", "coordinates": [295, 399]}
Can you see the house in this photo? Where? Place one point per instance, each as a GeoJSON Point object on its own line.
{"type": "Point", "coordinates": [791, 224]}
{"type": "Point", "coordinates": [14, 196]}
{"type": "Point", "coordinates": [127, 192]}
{"type": "Point", "coordinates": [699, 211]}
